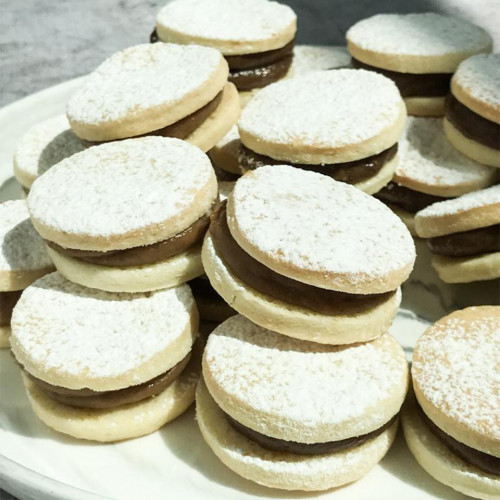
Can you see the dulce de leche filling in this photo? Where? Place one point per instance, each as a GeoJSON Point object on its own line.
{"type": "Point", "coordinates": [484, 461]}
{"type": "Point", "coordinates": [8, 300]}
{"type": "Point", "coordinates": [350, 172]}
{"type": "Point", "coordinates": [264, 280]}
{"type": "Point", "coordinates": [471, 124]}
{"type": "Point", "coordinates": [413, 84]}
{"type": "Point", "coordinates": [140, 256]}
{"type": "Point", "coordinates": [281, 445]}
{"type": "Point", "coordinates": [87, 398]}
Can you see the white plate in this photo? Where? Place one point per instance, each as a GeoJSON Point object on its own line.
{"type": "Point", "coordinates": [40, 464]}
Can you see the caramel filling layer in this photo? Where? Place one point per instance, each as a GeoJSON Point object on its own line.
{"type": "Point", "coordinates": [350, 172]}
{"type": "Point", "coordinates": [87, 398]}
{"type": "Point", "coordinates": [140, 256]}
{"type": "Point", "coordinates": [262, 279]}
{"type": "Point", "coordinates": [468, 243]}
{"type": "Point", "coordinates": [281, 445]}
{"type": "Point", "coordinates": [481, 460]}
{"type": "Point", "coordinates": [413, 84]}
{"type": "Point", "coordinates": [405, 198]}
{"type": "Point", "coordinates": [8, 300]}
{"type": "Point", "coordinates": [471, 124]}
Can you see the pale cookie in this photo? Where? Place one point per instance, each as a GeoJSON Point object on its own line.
{"type": "Point", "coordinates": [307, 58]}
{"type": "Point", "coordinates": [145, 88]}
{"type": "Point", "coordinates": [44, 145]}
{"type": "Point", "coordinates": [425, 106]}
{"type": "Point", "coordinates": [481, 267]}
{"type": "Point", "coordinates": [225, 153]}
{"type": "Point", "coordinates": [232, 26]}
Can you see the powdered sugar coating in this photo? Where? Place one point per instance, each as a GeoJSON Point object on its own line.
{"type": "Point", "coordinates": [324, 109]}
{"type": "Point", "coordinates": [479, 76]}
{"type": "Point", "coordinates": [303, 383]}
{"type": "Point", "coordinates": [229, 20]}
{"type": "Point", "coordinates": [21, 246]}
{"type": "Point", "coordinates": [310, 221]}
{"type": "Point", "coordinates": [121, 186]}
{"type": "Point", "coordinates": [308, 58]}
{"type": "Point", "coordinates": [427, 157]}
{"type": "Point", "coordinates": [455, 366]}
{"type": "Point", "coordinates": [140, 78]}
{"type": "Point", "coordinates": [423, 34]}
{"type": "Point", "coordinates": [81, 332]}
{"type": "Point", "coordinates": [482, 198]}
{"type": "Point", "coordinates": [44, 145]}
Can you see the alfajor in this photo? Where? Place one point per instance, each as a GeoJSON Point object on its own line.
{"type": "Point", "coordinates": [343, 123]}
{"type": "Point", "coordinates": [419, 52]}
{"type": "Point", "coordinates": [127, 216]}
{"type": "Point", "coordinates": [23, 259]}
{"type": "Point", "coordinates": [298, 415]}
{"type": "Point", "coordinates": [309, 257]}
{"type": "Point", "coordinates": [430, 170]}
{"type": "Point", "coordinates": [106, 366]}
{"type": "Point", "coordinates": [162, 89]}
{"type": "Point", "coordinates": [463, 236]}
{"type": "Point", "coordinates": [472, 111]}
{"type": "Point", "coordinates": [42, 146]}
{"type": "Point", "coordinates": [453, 427]}
{"type": "Point", "coordinates": [256, 37]}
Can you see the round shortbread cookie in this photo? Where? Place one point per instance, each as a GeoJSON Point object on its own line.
{"type": "Point", "coordinates": [164, 274]}
{"type": "Point", "coordinates": [145, 88]}
{"type": "Point", "coordinates": [471, 148]}
{"type": "Point", "coordinates": [430, 164]}
{"type": "Point", "coordinates": [44, 145]}
{"type": "Point", "coordinates": [286, 471]}
{"type": "Point", "coordinates": [348, 325]}
{"type": "Point", "coordinates": [416, 43]}
{"type": "Point", "coordinates": [123, 194]}
{"type": "Point", "coordinates": [232, 26]}
{"type": "Point", "coordinates": [470, 211]}
{"type": "Point", "coordinates": [374, 184]}
{"type": "Point", "coordinates": [407, 217]}
{"type": "Point", "coordinates": [425, 106]}
{"type": "Point", "coordinates": [257, 376]}
{"type": "Point", "coordinates": [455, 376]}
{"type": "Point", "coordinates": [225, 153]}
{"type": "Point", "coordinates": [441, 463]}
{"type": "Point", "coordinates": [324, 117]}
{"type": "Point", "coordinates": [467, 269]}
{"type": "Point", "coordinates": [319, 231]}
{"type": "Point", "coordinates": [23, 255]}
{"type": "Point", "coordinates": [74, 337]}
{"type": "Point", "coordinates": [4, 337]}
{"type": "Point", "coordinates": [124, 422]}
{"type": "Point", "coordinates": [476, 85]}
{"type": "Point", "coordinates": [307, 58]}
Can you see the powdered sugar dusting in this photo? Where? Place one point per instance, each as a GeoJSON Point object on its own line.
{"type": "Point", "coordinates": [480, 77]}
{"type": "Point", "coordinates": [141, 78]}
{"type": "Point", "coordinates": [77, 331]}
{"type": "Point", "coordinates": [230, 20]}
{"type": "Point", "coordinates": [120, 186]}
{"type": "Point", "coordinates": [482, 198]}
{"type": "Point", "coordinates": [455, 364]}
{"type": "Point", "coordinates": [425, 34]}
{"type": "Point", "coordinates": [308, 58]}
{"type": "Point", "coordinates": [427, 157]}
{"type": "Point", "coordinates": [312, 222]}
{"type": "Point", "coordinates": [44, 145]}
{"type": "Point", "coordinates": [324, 108]}
{"type": "Point", "coordinates": [21, 246]}
{"type": "Point", "coordinates": [272, 373]}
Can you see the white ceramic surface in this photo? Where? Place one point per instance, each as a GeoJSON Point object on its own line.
{"type": "Point", "coordinates": [38, 463]}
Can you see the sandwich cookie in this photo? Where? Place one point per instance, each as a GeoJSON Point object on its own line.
{"type": "Point", "coordinates": [297, 415]}
{"type": "Point", "coordinates": [309, 257]}
{"type": "Point", "coordinates": [44, 145]}
{"type": "Point", "coordinates": [419, 52]}
{"type": "Point", "coordinates": [162, 89]}
{"type": "Point", "coordinates": [256, 37]}
{"type": "Point", "coordinates": [127, 216]}
{"type": "Point", "coordinates": [23, 259]}
{"type": "Point", "coordinates": [453, 426]}
{"type": "Point", "coordinates": [343, 123]}
{"type": "Point", "coordinates": [472, 111]}
{"type": "Point", "coordinates": [463, 236]}
{"type": "Point", "coordinates": [430, 170]}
